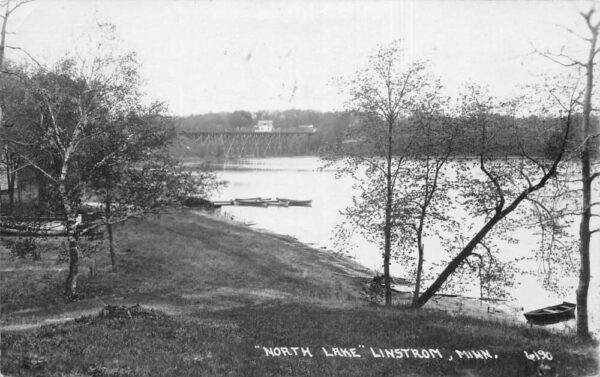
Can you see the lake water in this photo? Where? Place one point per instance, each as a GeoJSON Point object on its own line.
{"type": "Point", "coordinates": [301, 178]}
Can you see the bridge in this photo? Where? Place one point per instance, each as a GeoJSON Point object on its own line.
{"type": "Point", "coordinates": [250, 143]}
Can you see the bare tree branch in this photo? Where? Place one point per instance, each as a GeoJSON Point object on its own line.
{"type": "Point", "coordinates": [37, 167]}
{"type": "Point", "coordinates": [19, 4]}
{"type": "Point", "coordinates": [40, 65]}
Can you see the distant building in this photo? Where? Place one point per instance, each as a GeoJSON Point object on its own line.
{"type": "Point", "coordinates": [307, 128]}
{"type": "Point", "coordinates": [264, 126]}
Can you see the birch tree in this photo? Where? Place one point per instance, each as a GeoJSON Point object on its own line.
{"type": "Point", "coordinates": [74, 99]}
{"type": "Point", "coordinates": [586, 152]}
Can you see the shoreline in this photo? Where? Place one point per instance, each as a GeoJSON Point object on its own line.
{"type": "Point", "coordinates": [212, 292]}
{"type": "Point", "coordinates": [492, 310]}
{"type": "Point", "coordinates": [355, 275]}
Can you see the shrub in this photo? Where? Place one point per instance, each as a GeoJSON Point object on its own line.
{"type": "Point", "coordinates": [25, 247]}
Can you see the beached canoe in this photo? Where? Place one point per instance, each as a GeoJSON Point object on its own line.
{"type": "Point", "coordinates": [294, 202]}
{"type": "Point", "coordinates": [551, 314]}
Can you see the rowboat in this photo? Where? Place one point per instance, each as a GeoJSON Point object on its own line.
{"type": "Point", "coordinates": [251, 202]}
{"type": "Point", "coordinates": [298, 203]}
{"type": "Point", "coordinates": [220, 203]}
{"type": "Point", "coordinates": [278, 203]}
{"type": "Point", "coordinates": [551, 314]}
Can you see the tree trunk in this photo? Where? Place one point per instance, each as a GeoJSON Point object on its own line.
{"type": "Point", "coordinates": [387, 251]}
{"type": "Point", "coordinates": [3, 35]}
{"type": "Point", "coordinates": [584, 226]}
{"type": "Point", "coordinates": [386, 267]}
{"type": "Point", "coordinates": [71, 284]}
{"type": "Point", "coordinates": [584, 240]}
{"type": "Point", "coordinates": [111, 247]}
{"type": "Point", "coordinates": [107, 221]}
{"type": "Point", "coordinates": [421, 247]}
{"type": "Point", "coordinates": [388, 220]}
{"type": "Point", "coordinates": [489, 225]}
{"type": "Point", "coordinates": [11, 197]}
{"type": "Point", "coordinates": [415, 303]}
{"type": "Point", "coordinates": [584, 275]}
{"type": "Point", "coordinates": [70, 224]}
{"type": "Point", "coordinates": [2, 44]}
{"type": "Point", "coordinates": [501, 212]}
{"type": "Point", "coordinates": [11, 188]}
{"type": "Point", "coordinates": [459, 259]}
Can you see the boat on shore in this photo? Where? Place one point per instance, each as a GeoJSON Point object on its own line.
{"type": "Point", "coordinates": [253, 202]}
{"type": "Point", "coordinates": [278, 203]}
{"type": "Point", "coordinates": [221, 203]}
{"type": "Point", "coordinates": [295, 202]}
{"type": "Point", "coordinates": [551, 314]}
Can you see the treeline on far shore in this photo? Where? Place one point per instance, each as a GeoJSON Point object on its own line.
{"type": "Point", "coordinates": [510, 135]}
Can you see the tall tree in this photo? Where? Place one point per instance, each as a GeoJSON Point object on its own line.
{"type": "Point", "coordinates": [383, 95]}
{"type": "Point", "coordinates": [18, 111]}
{"type": "Point", "coordinates": [587, 151]}
{"type": "Point", "coordinates": [124, 141]}
{"type": "Point", "coordinates": [379, 149]}
{"type": "Point", "coordinates": [420, 193]}
{"type": "Point", "coordinates": [423, 194]}
{"type": "Point", "coordinates": [8, 7]}
{"type": "Point", "coordinates": [133, 175]}
{"type": "Point", "coordinates": [74, 101]}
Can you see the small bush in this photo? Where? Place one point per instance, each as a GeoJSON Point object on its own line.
{"type": "Point", "coordinates": [87, 249]}
{"type": "Point", "coordinates": [23, 248]}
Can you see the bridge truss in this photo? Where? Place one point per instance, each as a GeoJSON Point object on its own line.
{"type": "Point", "coordinates": [247, 143]}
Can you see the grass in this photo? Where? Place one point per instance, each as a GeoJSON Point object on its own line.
{"type": "Point", "coordinates": [222, 343]}
{"type": "Point", "coordinates": [180, 259]}
{"type": "Point", "coordinates": [223, 290]}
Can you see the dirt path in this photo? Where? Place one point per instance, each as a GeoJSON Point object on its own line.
{"type": "Point", "coordinates": [62, 318]}
{"type": "Point", "coordinates": [38, 321]}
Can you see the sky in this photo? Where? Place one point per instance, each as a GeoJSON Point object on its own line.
{"type": "Point", "coordinates": [212, 56]}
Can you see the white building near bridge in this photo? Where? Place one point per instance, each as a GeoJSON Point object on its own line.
{"type": "Point", "coordinates": [307, 128]}
{"type": "Point", "coordinates": [264, 126]}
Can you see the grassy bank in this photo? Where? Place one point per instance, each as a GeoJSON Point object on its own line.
{"type": "Point", "coordinates": [184, 260]}
{"type": "Point", "coordinates": [218, 292]}
{"type": "Point", "coordinates": [229, 343]}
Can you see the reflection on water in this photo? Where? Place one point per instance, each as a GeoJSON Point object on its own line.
{"type": "Point", "coordinates": [301, 178]}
